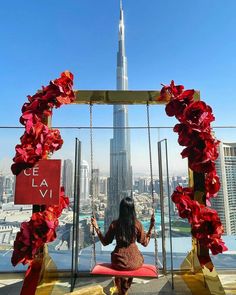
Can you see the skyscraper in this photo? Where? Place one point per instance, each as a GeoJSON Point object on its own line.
{"type": "Point", "coordinates": [67, 177]}
{"type": "Point", "coordinates": [2, 179]}
{"type": "Point", "coordinates": [225, 202]}
{"type": "Point", "coordinates": [96, 184]}
{"type": "Point", "coordinates": [103, 185]}
{"type": "Point", "coordinates": [84, 183]}
{"type": "Point", "coordinates": [120, 181]}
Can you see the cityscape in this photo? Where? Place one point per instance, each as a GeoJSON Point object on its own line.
{"type": "Point", "coordinates": [12, 215]}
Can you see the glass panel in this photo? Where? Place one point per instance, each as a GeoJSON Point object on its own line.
{"type": "Point", "coordinates": [101, 158]}
{"type": "Point", "coordinates": [11, 216]}
{"type": "Point", "coordinates": [61, 249]}
{"type": "Point", "coordinates": [174, 173]}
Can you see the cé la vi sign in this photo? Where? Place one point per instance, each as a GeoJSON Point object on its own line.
{"type": "Point", "coordinates": [39, 185]}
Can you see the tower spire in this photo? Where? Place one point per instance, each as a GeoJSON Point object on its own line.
{"type": "Point", "coordinates": [122, 77]}
{"type": "Point", "coordinates": [120, 181]}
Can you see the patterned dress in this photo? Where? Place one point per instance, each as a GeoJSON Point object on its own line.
{"type": "Point", "coordinates": [125, 257]}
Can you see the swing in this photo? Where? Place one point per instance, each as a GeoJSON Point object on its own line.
{"type": "Point", "coordinates": [106, 269]}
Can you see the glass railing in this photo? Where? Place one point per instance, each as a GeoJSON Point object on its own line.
{"type": "Point", "coordinates": [177, 230]}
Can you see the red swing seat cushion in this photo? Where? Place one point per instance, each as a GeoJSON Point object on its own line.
{"type": "Point", "coordinates": [147, 270]}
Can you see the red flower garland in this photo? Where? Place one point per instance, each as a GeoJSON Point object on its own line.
{"type": "Point", "coordinates": [39, 230]}
{"type": "Point", "coordinates": [37, 142]}
{"type": "Point", "coordinates": [205, 222]}
{"type": "Point", "coordinates": [195, 133]}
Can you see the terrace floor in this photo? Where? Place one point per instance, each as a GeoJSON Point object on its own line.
{"type": "Point", "coordinates": [184, 283]}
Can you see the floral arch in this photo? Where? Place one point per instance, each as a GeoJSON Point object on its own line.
{"type": "Point", "coordinates": [194, 132]}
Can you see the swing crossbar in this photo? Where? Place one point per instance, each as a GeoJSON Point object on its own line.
{"type": "Point", "coordinates": [105, 269]}
{"type": "Point", "coordinates": [121, 97]}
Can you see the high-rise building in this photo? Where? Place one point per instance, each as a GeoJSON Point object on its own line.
{"type": "Point", "coordinates": [103, 185]}
{"type": "Point", "coordinates": [67, 177]}
{"type": "Point", "coordinates": [2, 180]}
{"type": "Point", "coordinates": [84, 183]}
{"type": "Point", "coordinates": [7, 188]}
{"type": "Point", "coordinates": [142, 185]}
{"type": "Point", "coordinates": [96, 184]}
{"type": "Point", "coordinates": [120, 180]}
{"type": "Point", "coordinates": [225, 202]}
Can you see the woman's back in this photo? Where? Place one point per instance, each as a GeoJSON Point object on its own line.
{"type": "Point", "coordinates": [139, 235]}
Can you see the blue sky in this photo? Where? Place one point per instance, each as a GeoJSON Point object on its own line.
{"type": "Point", "coordinates": [192, 42]}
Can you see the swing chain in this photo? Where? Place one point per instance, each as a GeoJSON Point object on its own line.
{"type": "Point", "coordinates": [91, 187]}
{"type": "Point", "coordinates": [152, 188]}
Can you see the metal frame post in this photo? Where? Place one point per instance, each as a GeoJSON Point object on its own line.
{"type": "Point", "coordinates": [75, 236]}
{"type": "Point", "coordinates": [169, 207]}
{"type": "Point", "coordinates": [162, 208]}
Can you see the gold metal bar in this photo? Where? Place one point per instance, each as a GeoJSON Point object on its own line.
{"type": "Point", "coordinates": [121, 97]}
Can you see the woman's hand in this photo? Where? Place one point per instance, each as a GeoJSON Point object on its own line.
{"type": "Point", "coordinates": [152, 220]}
{"type": "Point", "coordinates": [94, 223]}
{"type": "Point", "coordinates": [152, 223]}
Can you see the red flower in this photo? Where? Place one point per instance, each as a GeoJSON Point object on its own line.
{"type": "Point", "coordinates": [178, 104]}
{"type": "Point", "coordinates": [187, 136]}
{"type": "Point", "coordinates": [187, 207]}
{"type": "Point", "coordinates": [201, 155]}
{"type": "Point", "coordinates": [63, 203]}
{"type": "Point", "coordinates": [44, 227]}
{"type": "Point", "coordinates": [22, 246]}
{"type": "Point", "coordinates": [217, 246]}
{"type": "Point", "coordinates": [202, 167]}
{"type": "Point", "coordinates": [208, 228]}
{"type": "Point", "coordinates": [198, 115]}
{"type": "Point", "coordinates": [172, 89]}
{"type": "Point", "coordinates": [212, 184]}
{"type": "Point", "coordinates": [65, 83]}
{"type": "Point", "coordinates": [175, 108]}
{"type": "Point", "coordinates": [181, 191]}
{"type": "Point", "coordinates": [184, 207]}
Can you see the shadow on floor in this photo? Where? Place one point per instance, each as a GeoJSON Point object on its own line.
{"type": "Point", "coordinates": [139, 286]}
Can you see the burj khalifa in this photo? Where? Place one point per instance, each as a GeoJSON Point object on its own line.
{"type": "Point", "coordinates": [120, 180]}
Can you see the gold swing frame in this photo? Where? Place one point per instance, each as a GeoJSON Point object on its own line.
{"type": "Point", "coordinates": [196, 180]}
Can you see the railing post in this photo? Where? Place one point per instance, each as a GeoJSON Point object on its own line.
{"type": "Point", "coordinates": [76, 209]}
{"type": "Point", "coordinates": [163, 234]}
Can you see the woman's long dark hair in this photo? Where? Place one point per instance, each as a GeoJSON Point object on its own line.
{"type": "Point", "coordinates": [126, 221]}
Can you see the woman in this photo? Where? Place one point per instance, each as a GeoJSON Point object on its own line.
{"type": "Point", "coordinates": [127, 229]}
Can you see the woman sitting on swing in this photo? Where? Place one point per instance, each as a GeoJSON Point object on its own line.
{"type": "Point", "coordinates": [127, 229]}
